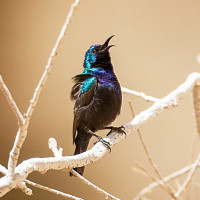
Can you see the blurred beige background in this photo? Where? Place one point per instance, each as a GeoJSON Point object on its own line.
{"type": "Point", "coordinates": [157, 44]}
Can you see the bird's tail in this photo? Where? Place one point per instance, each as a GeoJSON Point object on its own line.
{"type": "Point", "coordinates": [81, 142]}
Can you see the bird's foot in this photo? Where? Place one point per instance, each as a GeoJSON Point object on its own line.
{"type": "Point", "coordinates": [120, 129]}
{"type": "Point", "coordinates": [100, 139]}
{"type": "Point", "coordinates": [105, 143]}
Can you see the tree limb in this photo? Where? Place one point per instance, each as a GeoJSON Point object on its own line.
{"type": "Point", "coordinates": [98, 150]}
{"type": "Point", "coordinates": [22, 131]}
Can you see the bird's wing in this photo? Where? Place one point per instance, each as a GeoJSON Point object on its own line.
{"type": "Point", "coordinates": [76, 89]}
{"type": "Point", "coordinates": [83, 93]}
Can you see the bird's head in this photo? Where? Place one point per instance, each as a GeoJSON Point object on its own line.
{"type": "Point", "coordinates": [98, 55]}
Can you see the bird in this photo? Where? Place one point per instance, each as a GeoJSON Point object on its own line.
{"type": "Point", "coordinates": [98, 98]}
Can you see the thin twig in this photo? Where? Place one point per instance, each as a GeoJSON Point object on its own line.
{"type": "Point", "coordinates": [22, 132]}
{"type": "Point", "coordinates": [52, 190]}
{"type": "Point", "coordinates": [168, 178]}
{"type": "Point", "coordinates": [49, 65]}
{"type": "Point", "coordinates": [11, 101]}
{"type": "Point", "coordinates": [84, 180]}
{"type": "Point", "coordinates": [145, 146]}
{"type": "Point", "coordinates": [57, 153]}
{"type": "Point", "coordinates": [160, 182]}
{"type": "Point", "coordinates": [54, 147]}
{"type": "Point", "coordinates": [189, 177]}
{"type": "Point", "coordinates": [139, 94]}
{"type": "Point", "coordinates": [153, 164]}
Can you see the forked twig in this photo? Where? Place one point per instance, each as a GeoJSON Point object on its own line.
{"type": "Point", "coordinates": [153, 164]}
{"type": "Point", "coordinates": [189, 177]}
{"type": "Point", "coordinates": [22, 132]}
{"type": "Point", "coordinates": [57, 153]}
{"type": "Point", "coordinates": [160, 182]}
{"type": "Point", "coordinates": [168, 178]}
{"type": "Point", "coordinates": [11, 101]}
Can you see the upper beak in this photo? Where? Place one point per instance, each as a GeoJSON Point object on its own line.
{"type": "Point", "coordinates": [105, 46]}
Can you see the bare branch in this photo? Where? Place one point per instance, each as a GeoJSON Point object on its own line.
{"type": "Point", "coordinates": [99, 150]}
{"type": "Point", "coordinates": [152, 163]}
{"type": "Point", "coordinates": [168, 178]}
{"type": "Point", "coordinates": [21, 186]}
{"type": "Point", "coordinates": [139, 94]}
{"type": "Point", "coordinates": [11, 101]}
{"type": "Point", "coordinates": [84, 180]}
{"type": "Point", "coordinates": [189, 177]}
{"type": "Point", "coordinates": [49, 65]}
{"type": "Point", "coordinates": [170, 101]}
{"type": "Point", "coordinates": [53, 190]}
{"type": "Point", "coordinates": [145, 147]}
{"type": "Point", "coordinates": [54, 147]}
{"type": "Point", "coordinates": [56, 152]}
{"type": "Point", "coordinates": [160, 182]}
{"type": "Point", "coordinates": [22, 132]}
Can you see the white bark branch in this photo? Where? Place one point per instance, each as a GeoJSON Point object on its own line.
{"type": "Point", "coordinates": [11, 101]}
{"type": "Point", "coordinates": [58, 153]}
{"type": "Point", "coordinates": [16, 176]}
{"type": "Point", "coordinates": [53, 190]}
{"type": "Point", "coordinates": [98, 150]}
{"type": "Point", "coordinates": [139, 94]}
{"type": "Point", "coordinates": [22, 132]}
{"type": "Point", "coordinates": [98, 189]}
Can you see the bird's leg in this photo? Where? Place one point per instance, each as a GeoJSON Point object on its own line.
{"type": "Point", "coordinates": [106, 144]}
{"type": "Point", "coordinates": [120, 129]}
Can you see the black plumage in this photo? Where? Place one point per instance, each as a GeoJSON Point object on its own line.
{"type": "Point", "coordinates": [97, 96]}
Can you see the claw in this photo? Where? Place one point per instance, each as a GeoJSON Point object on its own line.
{"type": "Point", "coordinates": [106, 144]}
{"type": "Point", "coordinates": [120, 129]}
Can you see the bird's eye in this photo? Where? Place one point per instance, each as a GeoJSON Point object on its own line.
{"type": "Point", "coordinates": [93, 51]}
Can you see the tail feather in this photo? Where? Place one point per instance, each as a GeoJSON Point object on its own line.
{"type": "Point", "coordinates": [81, 142]}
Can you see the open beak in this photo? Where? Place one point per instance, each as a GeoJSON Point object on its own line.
{"type": "Point", "coordinates": [105, 47]}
